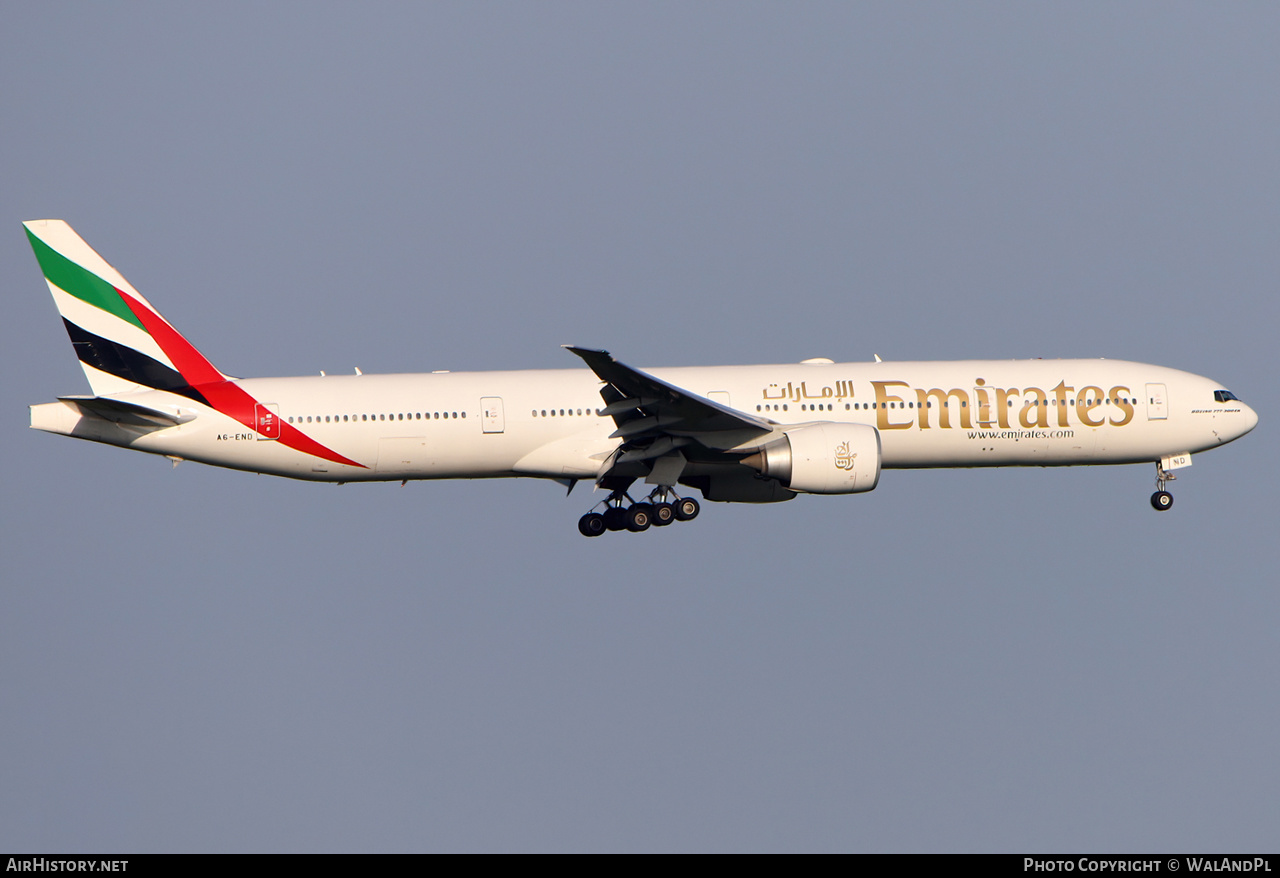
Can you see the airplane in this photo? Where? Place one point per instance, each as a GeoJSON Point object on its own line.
{"type": "Point", "coordinates": [746, 434]}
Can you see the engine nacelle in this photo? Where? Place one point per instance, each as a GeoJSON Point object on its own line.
{"type": "Point", "coordinates": [827, 458]}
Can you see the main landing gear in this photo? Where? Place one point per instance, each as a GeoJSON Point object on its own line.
{"type": "Point", "coordinates": [659, 509]}
{"type": "Point", "coordinates": [1162, 499]}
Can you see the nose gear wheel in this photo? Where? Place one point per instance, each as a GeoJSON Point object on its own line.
{"type": "Point", "coordinates": [1162, 499]}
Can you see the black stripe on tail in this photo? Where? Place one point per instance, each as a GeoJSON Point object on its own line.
{"type": "Point", "coordinates": [125, 362]}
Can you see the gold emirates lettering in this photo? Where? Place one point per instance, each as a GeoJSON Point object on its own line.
{"type": "Point", "coordinates": [990, 406]}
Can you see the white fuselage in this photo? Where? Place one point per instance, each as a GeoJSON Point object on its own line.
{"type": "Point", "coordinates": [546, 423]}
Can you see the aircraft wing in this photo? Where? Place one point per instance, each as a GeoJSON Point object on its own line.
{"type": "Point", "coordinates": [654, 419]}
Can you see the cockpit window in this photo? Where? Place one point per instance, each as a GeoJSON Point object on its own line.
{"type": "Point", "coordinates": [1223, 395]}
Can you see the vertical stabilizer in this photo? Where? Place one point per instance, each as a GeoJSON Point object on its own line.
{"type": "Point", "coordinates": [123, 343]}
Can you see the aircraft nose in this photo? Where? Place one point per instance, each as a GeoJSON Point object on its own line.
{"type": "Point", "coordinates": [1249, 419]}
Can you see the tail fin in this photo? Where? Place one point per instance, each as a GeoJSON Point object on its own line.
{"type": "Point", "coordinates": [122, 342]}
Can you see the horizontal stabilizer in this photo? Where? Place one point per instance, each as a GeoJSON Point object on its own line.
{"type": "Point", "coordinates": [128, 413]}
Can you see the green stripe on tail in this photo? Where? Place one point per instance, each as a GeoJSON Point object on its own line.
{"type": "Point", "coordinates": [79, 282]}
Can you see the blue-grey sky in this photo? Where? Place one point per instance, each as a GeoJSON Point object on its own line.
{"type": "Point", "coordinates": [976, 660]}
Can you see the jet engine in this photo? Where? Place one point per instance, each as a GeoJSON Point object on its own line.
{"type": "Point", "coordinates": [827, 458]}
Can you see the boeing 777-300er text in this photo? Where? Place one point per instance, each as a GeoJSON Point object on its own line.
{"type": "Point", "coordinates": [747, 434]}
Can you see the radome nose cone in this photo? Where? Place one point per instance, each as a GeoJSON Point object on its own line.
{"type": "Point", "coordinates": [1250, 419]}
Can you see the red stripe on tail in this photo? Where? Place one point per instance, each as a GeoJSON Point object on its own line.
{"type": "Point", "coordinates": [225, 396]}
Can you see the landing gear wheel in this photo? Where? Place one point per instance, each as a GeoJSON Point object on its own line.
{"type": "Point", "coordinates": [1161, 500]}
{"type": "Point", "coordinates": [591, 524]}
{"type": "Point", "coordinates": [687, 509]}
{"type": "Point", "coordinates": [663, 514]}
{"type": "Point", "coordinates": [615, 518]}
{"type": "Point", "coordinates": [639, 517]}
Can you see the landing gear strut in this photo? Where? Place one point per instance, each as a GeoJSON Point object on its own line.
{"type": "Point", "coordinates": [659, 509]}
{"type": "Point", "coordinates": [1162, 499]}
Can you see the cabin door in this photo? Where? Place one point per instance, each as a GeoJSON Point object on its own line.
{"type": "Point", "coordinates": [1157, 406]}
{"type": "Point", "coordinates": [491, 418]}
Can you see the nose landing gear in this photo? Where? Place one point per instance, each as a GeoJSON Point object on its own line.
{"type": "Point", "coordinates": [659, 509]}
{"type": "Point", "coordinates": [1162, 499]}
